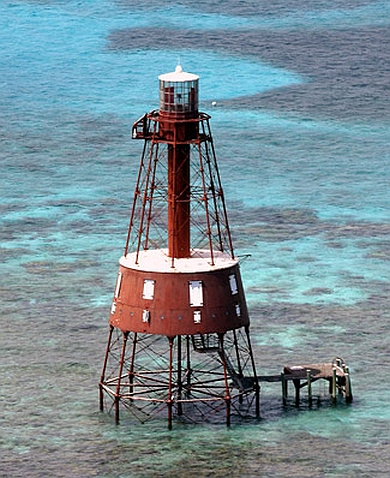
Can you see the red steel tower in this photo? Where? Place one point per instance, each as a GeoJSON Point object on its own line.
{"type": "Point", "coordinates": [179, 340]}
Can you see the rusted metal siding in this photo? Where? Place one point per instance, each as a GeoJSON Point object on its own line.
{"type": "Point", "coordinates": [170, 311]}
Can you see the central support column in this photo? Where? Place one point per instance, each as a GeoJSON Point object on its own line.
{"type": "Point", "coordinates": [179, 200]}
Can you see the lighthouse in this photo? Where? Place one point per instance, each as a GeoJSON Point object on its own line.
{"type": "Point", "coordinates": [179, 342]}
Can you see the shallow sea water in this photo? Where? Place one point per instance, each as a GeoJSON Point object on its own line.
{"type": "Point", "coordinates": [301, 127]}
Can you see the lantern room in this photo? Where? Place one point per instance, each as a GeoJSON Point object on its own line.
{"type": "Point", "coordinates": [178, 92]}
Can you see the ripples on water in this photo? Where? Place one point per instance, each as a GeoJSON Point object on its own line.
{"type": "Point", "coordinates": [301, 130]}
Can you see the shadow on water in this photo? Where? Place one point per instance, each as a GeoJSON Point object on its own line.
{"type": "Point", "coordinates": [340, 64]}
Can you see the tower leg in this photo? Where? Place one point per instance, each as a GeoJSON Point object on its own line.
{"type": "Point", "coordinates": [170, 385]}
{"type": "Point", "coordinates": [179, 377]}
{"type": "Point", "coordinates": [256, 384]}
{"type": "Point", "coordinates": [238, 360]}
{"type": "Point", "coordinates": [101, 391]}
{"type": "Point", "coordinates": [132, 361]}
{"type": "Point", "coordinates": [225, 373]}
{"type": "Point", "coordinates": [118, 386]}
{"type": "Point", "coordinates": [188, 346]}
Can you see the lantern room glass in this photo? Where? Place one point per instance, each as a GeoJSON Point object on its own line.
{"type": "Point", "coordinates": [179, 97]}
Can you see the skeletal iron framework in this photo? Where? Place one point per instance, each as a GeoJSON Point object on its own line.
{"type": "Point", "coordinates": [179, 341]}
{"type": "Point", "coordinates": [194, 377]}
{"type": "Point", "coordinates": [149, 217]}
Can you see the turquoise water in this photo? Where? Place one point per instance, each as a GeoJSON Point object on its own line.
{"type": "Point", "coordinates": [301, 128]}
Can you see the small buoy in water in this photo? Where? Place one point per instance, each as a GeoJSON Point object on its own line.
{"type": "Point", "coordinates": [214, 103]}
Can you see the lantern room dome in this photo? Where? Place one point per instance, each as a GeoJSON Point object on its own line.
{"type": "Point", "coordinates": [178, 76]}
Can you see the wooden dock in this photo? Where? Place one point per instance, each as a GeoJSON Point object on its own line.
{"type": "Point", "coordinates": [336, 373]}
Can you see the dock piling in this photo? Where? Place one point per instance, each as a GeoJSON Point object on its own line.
{"type": "Point", "coordinates": [334, 382]}
{"type": "Point", "coordinates": [309, 390]}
